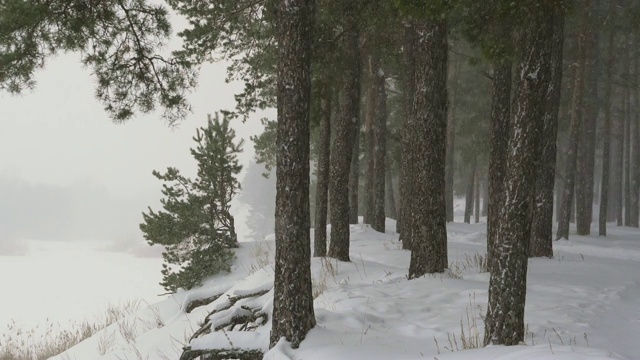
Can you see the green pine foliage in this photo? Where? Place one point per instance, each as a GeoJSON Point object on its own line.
{"type": "Point", "coordinates": [195, 225]}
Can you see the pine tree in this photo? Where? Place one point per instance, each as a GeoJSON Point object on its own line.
{"type": "Point", "coordinates": [195, 225]}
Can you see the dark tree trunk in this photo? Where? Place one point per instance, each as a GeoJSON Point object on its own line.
{"type": "Point", "coordinates": [627, 133]}
{"type": "Point", "coordinates": [572, 151]}
{"type": "Point", "coordinates": [476, 202]}
{"type": "Point", "coordinates": [391, 196]}
{"type": "Point", "coordinates": [468, 204]}
{"type": "Point", "coordinates": [369, 148]}
{"type": "Point", "coordinates": [380, 148]}
{"type": "Point", "coordinates": [345, 129]}
{"type": "Point", "coordinates": [451, 139]}
{"type": "Point", "coordinates": [293, 314]}
{"type": "Point", "coordinates": [504, 323]}
{"type": "Point", "coordinates": [606, 130]}
{"type": "Point", "coordinates": [500, 123]}
{"type": "Point", "coordinates": [354, 175]}
{"type": "Point", "coordinates": [542, 218]}
{"type": "Point", "coordinates": [485, 196]}
{"type": "Point", "coordinates": [322, 191]}
{"type": "Point", "coordinates": [406, 167]}
{"type": "Point", "coordinates": [587, 147]}
{"type": "Point", "coordinates": [635, 164]}
{"type": "Point", "coordinates": [428, 225]}
{"type": "Point", "coordinates": [617, 162]}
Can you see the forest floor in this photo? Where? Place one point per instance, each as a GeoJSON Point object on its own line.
{"type": "Point", "coordinates": [582, 304]}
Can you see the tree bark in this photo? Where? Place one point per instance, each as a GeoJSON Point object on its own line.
{"type": "Point", "coordinates": [322, 191]}
{"type": "Point", "coordinates": [428, 224]}
{"type": "Point", "coordinates": [627, 137]}
{"type": "Point", "coordinates": [451, 139]}
{"type": "Point", "coordinates": [468, 205]}
{"type": "Point", "coordinates": [635, 164]}
{"type": "Point", "coordinates": [606, 130]}
{"type": "Point", "coordinates": [500, 124]}
{"type": "Point", "coordinates": [380, 148]}
{"type": "Point", "coordinates": [485, 196]}
{"type": "Point", "coordinates": [587, 143]}
{"type": "Point", "coordinates": [542, 218]}
{"type": "Point", "coordinates": [406, 167]}
{"type": "Point", "coordinates": [572, 151]}
{"type": "Point", "coordinates": [369, 146]}
{"type": "Point", "coordinates": [345, 128]}
{"type": "Point", "coordinates": [476, 202]}
{"type": "Point", "coordinates": [504, 323]}
{"type": "Point", "coordinates": [391, 196]}
{"type": "Point", "coordinates": [293, 314]}
{"type": "Point", "coordinates": [354, 175]}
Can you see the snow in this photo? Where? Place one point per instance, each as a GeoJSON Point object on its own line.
{"type": "Point", "coordinates": [582, 304]}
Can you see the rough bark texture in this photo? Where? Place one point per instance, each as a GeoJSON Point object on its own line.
{"type": "Point", "coordinates": [468, 204]}
{"type": "Point", "coordinates": [542, 218]}
{"type": "Point", "coordinates": [504, 323]}
{"type": "Point", "coordinates": [354, 174]}
{"type": "Point", "coordinates": [451, 139]}
{"type": "Point", "coordinates": [587, 144]}
{"type": "Point", "coordinates": [293, 314]}
{"type": "Point", "coordinates": [379, 148]}
{"type": "Point", "coordinates": [345, 127]}
{"type": "Point", "coordinates": [322, 191]}
{"type": "Point", "coordinates": [406, 167]}
{"type": "Point", "coordinates": [500, 123]}
{"type": "Point", "coordinates": [572, 150]}
{"type": "Point", "coordinates": [428, 224]}
{"type": "Point", "coordinates": [606, 129]}
{"type": "Point", "coordinates": [369, 149]}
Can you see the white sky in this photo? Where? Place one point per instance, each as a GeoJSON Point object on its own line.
{"type": "Point", "coordinates": [59, 136]}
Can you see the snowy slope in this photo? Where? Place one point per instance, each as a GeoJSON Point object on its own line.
{"type": "Point", "coordinates": [583, 304]}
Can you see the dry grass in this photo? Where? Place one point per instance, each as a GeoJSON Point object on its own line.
{"type": "Point", "coordinates": [471, 264]}
{"type": "Point", "coordinates": [50, 339]}
{"type": "Point", "coordinates": [469, 336]}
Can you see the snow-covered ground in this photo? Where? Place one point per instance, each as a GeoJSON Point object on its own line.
{"type": "Point", "coordinates": [582, 304]}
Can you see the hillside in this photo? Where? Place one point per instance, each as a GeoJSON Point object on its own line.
{"type": "Point", "coordinates": [582, 304]}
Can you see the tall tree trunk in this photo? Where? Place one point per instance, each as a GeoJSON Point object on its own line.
{"type": "Point", "coordinates": [504, 323]}
{"type": "Point", "coordinates": [345, 128]}
{"type": "Point", "coordinates": [542, 218]}
{"type": "Point", "coordinates": [627, 137]}
{"type": "Point", "coordinates": [369, 145]}
{"type": "Point", "coordinates": [354, 175]}
{"type": "Point", "coordinates": [485, 195]}
{"type": "Point", "coordinates": [587, 147]}
{"type": "Point", "coordinates": [618, 169]}
{"type": "Point", "coordinates": [606, 130]}
{"type": "Point", "coordinates": [428, 225]}
{"type": "Point", "coordinates": [322, 191]}
{"type": "Point", "coordinates": [572, 151]}
{"type": "Point", "coordinates": [380, 147]}
{"type": "Point", "coordinates": [406, 167]}
{"type": "Point", "coordinates": [451, 139]}
{"type": "Point", "coordinates": [293, 314]}
{"type": "Point", "coordinates": [468, 204]}
{"type": "Point", "coordinates": [500, 124]}
{"type": "Point", "coordinates": [635, 164]}
{"type": "Point", "coordinates": [476, 202]}
{"type": "Point", "coordinates": [391, 196]}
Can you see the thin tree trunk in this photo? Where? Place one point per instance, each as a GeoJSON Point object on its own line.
{"type": "Point", "coordinates": [369, 146]}
{"type": "Point", "coordinates": [354, 175]}
{"type": "Point", "coordinates": [504, 323]}
{"type": "Point", "coordinates": [635, 164]}
{"type": "Point", "coordinates": [542, 218]}
{"type": "Point", "coordinates": [627, 137]}
{"type": "Point", "coordinates": [322, 191]}
{"type": "Point", "coordinates": [451, 138]}
{"type": "Point", "coordinates": [345, 128]}
{"type": "Point", "coordinates": [572, 151]}
{"type": "Point", "coordinates": [476, 210]}
{"type": "Point", "coordinates": [485, 196]}
{"type": "Point", "coordinates": [606, 130]}
{"type": "Point", "coordinates": [500, 124]}
{"type": "Point", "coordinates": [293, 314]}
{"type": "Point", "coordinates": [391, 197]}
{"type": "Point", "coordinates": [428, 224]}
{"type": "Point", "coordinates": [406, 167]}
{"type": "Point", "coordinates": [468, 206]}
{"type": "Point", "coordinates": [380, 147]}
